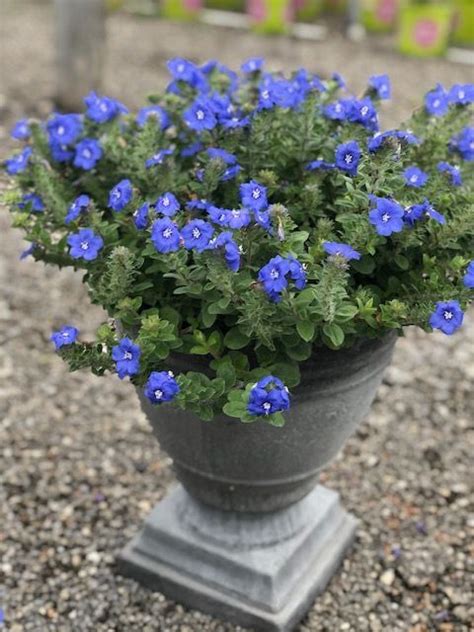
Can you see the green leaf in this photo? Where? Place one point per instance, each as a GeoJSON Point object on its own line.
{"type": "Point", "coordinates": [305, 329]}
{"type": "Point", "coordinates": [402, 262]}
{"type": "Point", "coordinates": [334, 334]}
{"type": "Point", "coordinates": [276, 419]}
{"type": "Point", "coordinates": [234, 409]}
{"type": "Point", "coordinates": [235, 339]}
{"type": "Point", "coordinates": [346, 312]}
{"type": "Point", "coordinates": [288, 372]}
{"type": "Point", "coordinates": [199, 350]}
{"type": "Point", "coordinates": [365, 265]}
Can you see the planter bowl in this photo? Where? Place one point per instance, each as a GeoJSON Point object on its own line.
{"type": "Point", "coordinates": [256, 467]}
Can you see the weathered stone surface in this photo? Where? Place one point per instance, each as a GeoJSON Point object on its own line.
{"type": "Point", "coordinates": [257, 570]}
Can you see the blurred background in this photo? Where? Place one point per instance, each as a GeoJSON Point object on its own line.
{"type": "Point", "coordinates": [80, 469]}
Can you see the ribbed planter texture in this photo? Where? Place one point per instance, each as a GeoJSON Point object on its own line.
{"type": "Point", "coordinates": [249, 535]}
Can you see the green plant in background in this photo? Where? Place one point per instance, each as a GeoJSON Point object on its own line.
{"type": "Point", "coordinates": [424, 28]}
{"type": "Point", "coordinates": [249, 220]}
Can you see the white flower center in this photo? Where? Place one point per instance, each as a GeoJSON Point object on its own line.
{"type": "Point", "coordinates": [436, 103]}
{"type": "Point", "coordinates": [165, 201]}
{"type": "Point", "coordinates": [103, 107]}
{"type": "Point", "coordinates": [87, 153]}
{"type": "Point", "coordinates": [196, 233]}
{"type": "Point", "coordinates": [447, 315]}
{"type": "Point", "coordinates": [385, 217]}
{"type": "Point", "coordinates": [414, 178]}
{"type": "Point", "coordinates": [84, 245]}
{"type": "Point", "coordinates": [199, 115]}
{"type": "Point", "coordinates": [348, 159]}
{"type": "Point", "coordinates": [265, 94]}
{"type": "Point", "coordinates": [256, 193]}
{"type": "Point", "coordinates": [364, 110]}
{"type": "Point", "coordinates": [127, 355]}
{"type": "Point", "coordinates": [158, 394]}
{"type": "Point", "coordinates": [65, 334]}
{"type": "Point", "coordinates": [61, 130]}
{"type": "Point", "coordinates": [266, 407]}
{"type": "Point", "coordinates": [167, 232]}
{"type": "Point", "coordinates": [461, 94]}
{"type": "Point", "coordinates": [180, 68]}
{"type": "Point", "coordinates": [274, 274]}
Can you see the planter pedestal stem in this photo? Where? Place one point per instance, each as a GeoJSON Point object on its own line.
{"type": "Point", "coordinates": [258, 570]}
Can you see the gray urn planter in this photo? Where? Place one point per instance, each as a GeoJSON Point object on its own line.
{"type": "Point", "coordinates": [250, 536]}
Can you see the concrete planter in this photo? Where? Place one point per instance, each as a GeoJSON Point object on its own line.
{"type": "Point", "coordinates": [250, 536]}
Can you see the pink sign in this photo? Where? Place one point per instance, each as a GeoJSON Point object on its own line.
{"type": "Point", "coordinates": [425, 32]}
{"type": "Point", "coordinates": [386, 10]}
{"type": "Point", "coordinates": [192, 5]}
{"type": "Point", "coordinates": [256, 9]}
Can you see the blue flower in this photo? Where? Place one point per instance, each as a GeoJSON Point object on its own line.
{"type": "Point", "coordinates": [335, 249]}
{"type": "Point", "coordinates": [339, 79]}
{"type": "Point", "coordinates": [80, 204]}
{"type": "Point", "coordinates": [273, 277]}
{"type": "Point", "coordinates": [28, 251]}
{"type": "Point", "coordinates": [63, 129]}
{"type": "Point", "coordinates": [336, 111]}
{"type": "Point", "coordinates": [417, 211]}
{"type": "Point", "coordinates": [140, 216]}
{"type": "Point", "coordinates": [315, 165]}
{"type": "Point", "coordinates": [191, 150]}
{"type": "Point", "coordinates": [127, 358]}
{"type": "Point", "coordinates": [32, 202]}
{"type": "Point", "coordinates": [85, 244]}
{"type": "Point", "coordinates": [387, 216]}
{"type": "Point", "coordinates": [103, 109]}
{"type": "Point", "coordinates": [381, 85]}
{"type": "Point", "coordinates": [199, 116]}
{"type": "Point", "coordinates": [197, 234]}
{"type": "Point", "coordinates": [161, 387]}
{"type": "Point", "coordinates": [415, 177]}
{"type": "Point", "coordinates": [461, 94]}
{"type": "Point", "coordinates": [21, 130]}
{"type": "Point", "coordinates": [376, 142]}
{"type": "Point", "coordinates": [268, 396]}
{"type": "Point", "coordinates": [453, 171]}
{"type": "Point", "coordinates": [254, 196]}
{"type": "Point", "coordinates": [432, 213]}
{"type": "Point", "coordinates": [167, 204]}
{"type": "Point", "coordinates": [468, 278]}
{"type": "Point", "coordinates": [228, 159]}
{"type": "Point", "coordinates": [18, 163]}
{"type": "Point", "coordinates": [436, 101]}
{"type": "Point", "coordinates": [120, 195]}
{"type": "Point", "coordinates": [297, 273]}
{"type": "Point", "coordinates": [88, 153]}
{"type": "Point", "coordinates": [219, 216]}
{"type": "Point", "coordinates": [67, 335]}
{"type": "Point", "coordinates": [60, 153]}
{"type": "Point", "coordinates": [231, 250]}
{"type": "Point", "coordinates": [184, 70]}
{"type": "Point", "coordinates": [348, 157]}
{"type": "Point", "coordinates": [254, 64]}
{"type": "Point", "coordinates": [155, 112]}
{"type": "Point", "coordinates": [165, 235]}
{"type": "Point", "coordinates": [463, 143]}
{"type": "Point", "coordinates": [447, 317]}
{"type": "Point", "coordinates": [362, 111]}
{"type": "Point", "coordinates": [238, 218]}
{"type": "Point", "coordinates": [158, 158]}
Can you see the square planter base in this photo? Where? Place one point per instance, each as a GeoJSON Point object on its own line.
{"type": "Point", "coordinates": [261, 571]}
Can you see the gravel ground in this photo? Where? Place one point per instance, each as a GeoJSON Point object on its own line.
{"type": "Point", "coordinates": [81, 470]}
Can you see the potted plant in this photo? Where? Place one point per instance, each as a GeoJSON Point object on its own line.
{"type": "Point", "coordinates": [424, 27]}
{"type": "Point", "coordinates": [271, 17]}
{"type": "Point", "coordinates": [258, 244]}
{"type": "Point", "coordinates": [181, 9]}
{"type": "Point", "coordinates": [464, 22]}
{"type": "Point", "coordinates": [379, 15]}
